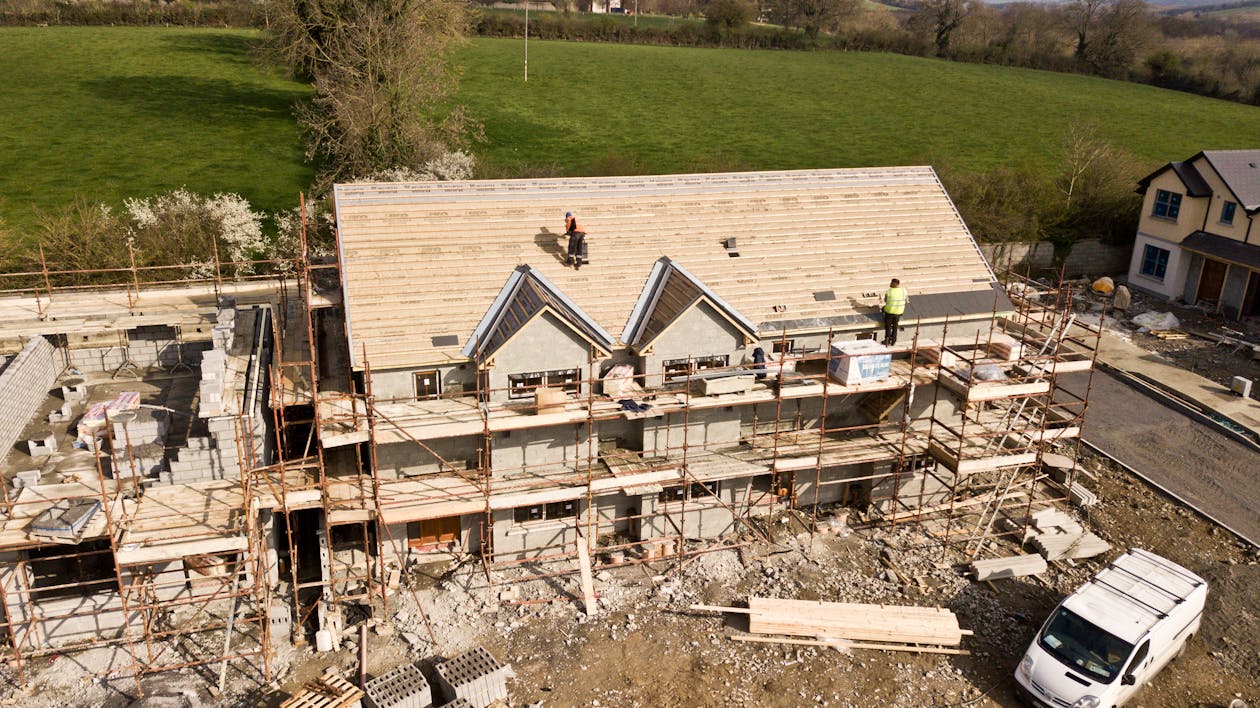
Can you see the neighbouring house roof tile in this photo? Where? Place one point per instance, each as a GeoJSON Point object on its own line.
{"type": "Point", "coordinates": [1240, 171]}
{"type": "Point", "coordinates": [525, 294]}
{"type": "Point", "coordinates": [1225, 249]}
{"type": "Point", "coordinates": [421, 262]}
{"type": "Point", "coordinates": [671, 291]}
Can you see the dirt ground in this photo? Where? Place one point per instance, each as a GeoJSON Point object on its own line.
{"type": "Point", "coordinates": [1202, 352]}
{"type": "Point", "coordinates": [645, 647]}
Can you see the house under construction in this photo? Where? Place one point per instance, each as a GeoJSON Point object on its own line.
{"type": "Point", "coordinates": [198, 471]}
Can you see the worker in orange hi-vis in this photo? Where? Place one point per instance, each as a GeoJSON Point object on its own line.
{"type": "Point", "coordinates": [577, 241]}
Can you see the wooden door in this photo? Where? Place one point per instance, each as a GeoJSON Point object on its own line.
{"type": "Point", "coordinates": [431, 532]}
{"type": "Point", "coordinates": [1211, 281]}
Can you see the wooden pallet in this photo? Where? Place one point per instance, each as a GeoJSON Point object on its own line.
{"type": "Point", "coordinates": [331, 690]}
{"type": "Point", "coordinates": [1170, 334]}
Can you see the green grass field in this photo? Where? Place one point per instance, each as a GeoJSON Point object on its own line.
{"type": "Point", "coordinates": [665, 109]}
{"type": "Point", "coordinates": [108, 113]}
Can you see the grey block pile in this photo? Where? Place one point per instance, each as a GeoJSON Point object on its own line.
{"type": "Point", "coordinates": [474, 676]}
{"type": "Point", "coordinates": [401, 687]}
{"type": "Point", "coordinates": [43, 445]}
{"type": "Point", "coordinates": [1058, 536]}
{"type": "Point", "coordinates": [139, 442]}
{"type": "Point", "coordinates": [24, 384]}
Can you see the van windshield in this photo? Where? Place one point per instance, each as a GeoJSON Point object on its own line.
{"type": "Point", "coordinates": [1084, 647]}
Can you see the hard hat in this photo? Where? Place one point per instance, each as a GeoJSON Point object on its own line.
{"type": "Point", "coordinates": [568, 214]}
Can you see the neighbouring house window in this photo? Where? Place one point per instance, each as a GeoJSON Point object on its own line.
{"type": "Point", "coordinates": [1154, 261]}
{"type": "Point", "coordinates": [428, 385]}
{"type": "Point", "coordinates": [1227, 212]}
{"type": "Point", "coordinates": [784, 347]}
{"type": "Point", "coordinates": [695, 490]}
{"type": "Point", "coordinates": [684, 367]}
{"type": "Point", "coordinates": [545, 512]}
{"type": "Point", "coordinates": [1167, 204]}
{"type": "Point", "coordinates": [524, 385]}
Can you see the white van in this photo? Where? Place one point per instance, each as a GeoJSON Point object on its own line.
{"type": "Point", "coordinates": [1111, 636]}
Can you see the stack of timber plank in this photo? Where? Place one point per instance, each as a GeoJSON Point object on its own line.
{"type": "Point", "coordinates": [1058, 536]}
{"type": "Point", "coordinates": [1081, 496]}
{"type": "Point", "coordinates": [1008, 567]}
{"type": "Point", "coordinates": [855, 622]}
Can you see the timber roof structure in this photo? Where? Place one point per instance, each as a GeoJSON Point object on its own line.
{"type": "Point", "coordinates": [422, 263]}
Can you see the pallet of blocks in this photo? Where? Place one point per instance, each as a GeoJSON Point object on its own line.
{"type": "Point", "coordinates": [331, 690]}
{"type": "Point", "coordinates": [1058, 536]}
{"type": "Point", "coordinates": [845, 625]}
{"type": "Point", "coordinates": [1008, 567]}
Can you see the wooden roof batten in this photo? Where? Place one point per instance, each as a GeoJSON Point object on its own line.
{"type": "Point", "coordinates": [525, 296]}
{"type": "Point", "coordinates": [416, 255]}
{"type": "Point", "coordinates": [669, 294]}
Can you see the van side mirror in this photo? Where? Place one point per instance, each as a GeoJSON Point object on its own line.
{"type": "Point", "coordinates": [1128, 680]}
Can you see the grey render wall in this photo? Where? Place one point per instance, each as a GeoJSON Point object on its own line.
{"type": "Point", "coordinates": [400, 383]}
{"type": "Point", "coordinates": [699, 517]}
{"type": "Point", "coordinates": [716, 427]}
{"type": "Point", "coordinates": [24, 384]}
{"type": "Point", "coordinates": [536, 538]}
{"type": "Point", "coordinates": [533, 447]}
{"type": "Point", "coordinates": [700, 331]}
{"type": "Point", "coordinates": [1234, 290]}
{"type": "Point", "coordinates": [544, 344]}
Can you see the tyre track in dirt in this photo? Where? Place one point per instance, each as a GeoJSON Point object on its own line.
{"type": "Point", "coordinates": [1202, 465]}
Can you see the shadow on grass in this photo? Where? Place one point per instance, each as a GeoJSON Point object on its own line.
{"type": "Point", "coordinates": [196, 100]}
{"type": "Point", "coordinates": [238, 47]}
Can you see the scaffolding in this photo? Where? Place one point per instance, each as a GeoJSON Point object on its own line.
{"type": "Point", "coordinates": [318, 538]}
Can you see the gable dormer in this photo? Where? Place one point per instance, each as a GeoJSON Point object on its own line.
{"type": "Point", "coordinates": [533, 336]}
{"type": "Point", "coordinates": [679, 323]}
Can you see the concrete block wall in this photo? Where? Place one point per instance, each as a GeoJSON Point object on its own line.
{"type": "Point", "coordinates": [147, 347]}
{"type": "Point", "coordinates": [24, 384]}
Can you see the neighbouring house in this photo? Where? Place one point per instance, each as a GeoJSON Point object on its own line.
{"type": "Point", "coordinates": [1195, 240]}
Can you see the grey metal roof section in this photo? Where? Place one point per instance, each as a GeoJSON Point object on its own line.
{"type": "Point", "coordinates": [1240, 171]}
{"type": "Point", "coordinates": [669, 292]}
{"type": "Point", "coordinates": [1225, 249]}
{"type": "Point", "coordinates": [956, 305]}
{"type": "Point", "coordinates": [1196, 186]}
{"type": "Point", "coordinates": [526, 293]}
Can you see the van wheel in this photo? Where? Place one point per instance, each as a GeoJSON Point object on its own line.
{"type": "Point", "coordinates": [1182, 649]}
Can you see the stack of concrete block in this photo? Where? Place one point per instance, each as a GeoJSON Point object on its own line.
{"type": "Point", "coordinates": [1058, 536]}
{"type": "Point", "coordinates": [139, 442]}
{"type": "Point", "coordinates": [214, 362]}
{"type": "Point", "coordinates": [62, 414]}
{"type": "Point", "coordinates": [27, 478]}
{"type": "Point", "coordinates": [43, 445]}
{"type": "Point", "coordinates": [24, 384]}
{"type": "Point", "coordinates": [474, 676]}
{"type": "Point", "coordinates": [401, 687]}
{"type": "Point", "coordinates": [74, 390]}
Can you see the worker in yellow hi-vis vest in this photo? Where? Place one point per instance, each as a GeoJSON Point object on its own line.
{"type": "Point", "coordinates": [894, 302]}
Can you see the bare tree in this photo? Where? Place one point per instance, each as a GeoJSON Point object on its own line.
{"type": "Point", "coordinates": [1108, 33]}
{"type": "Point", "coordinates": [940, 18]}
{"type": "Point", "coordinates": [382, 76]}
{"type": "Point", "coordinates": [813, 16]}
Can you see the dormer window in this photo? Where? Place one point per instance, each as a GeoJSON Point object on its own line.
{"type": "Point", "coordinates": [1227, 212]}
{"type": "Point", "coordinates": [1167, 204]}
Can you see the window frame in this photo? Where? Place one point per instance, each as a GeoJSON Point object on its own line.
{"type": "Point", "coordinates": [681, 368]}
{"type": "Point", "coordinates": [437, 381]}
{"type": "Point", "coordinates": [568, 380]}
{"type": "Point", "coordinates": [1167, 205]}
{"type": "Point", "coordinates": [1232, 208]}
{"type": "Point", "coordinates": [1159, 265]}
{"type": "Point", "coordinates": [543, 513]}
{"type": "Point", "coordinates": [689, 492]}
